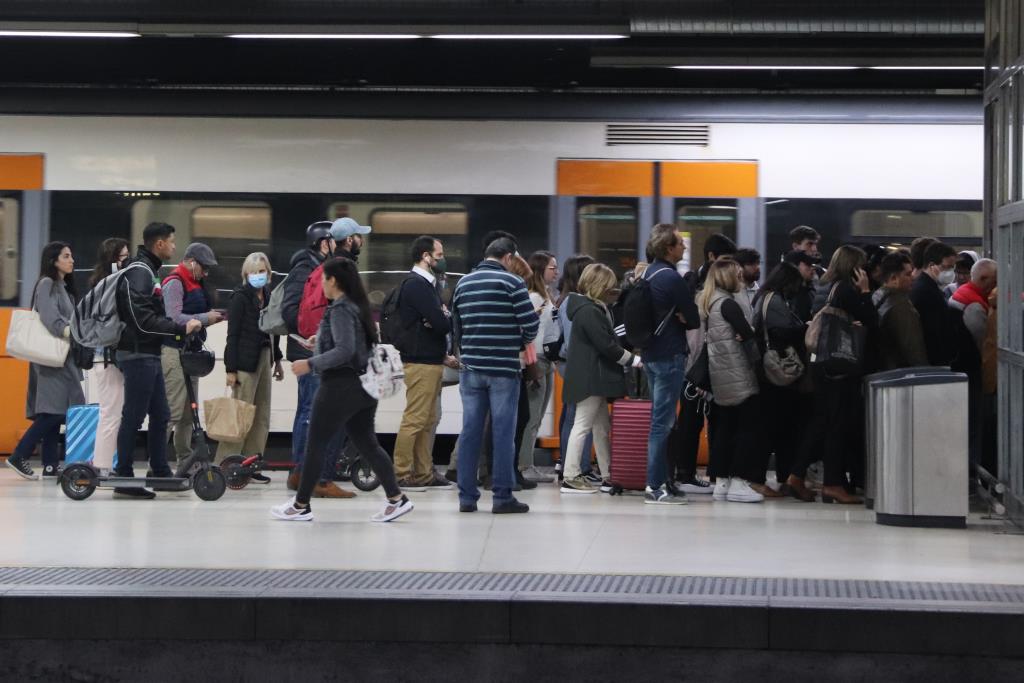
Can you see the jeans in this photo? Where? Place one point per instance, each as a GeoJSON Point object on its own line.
{"type": "Point", "coordinates": [45, 430]}
{"type": "Point", "coordinates": [665, 378]}
{"type": "Point", "coordinates": [308, 385]}
{"type": "Point", "coordinates": [144, 394]}
{"type": "Point", "coordinates": [482, 393]}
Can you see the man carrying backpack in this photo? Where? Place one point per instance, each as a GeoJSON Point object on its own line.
{"type": "Point", "coordinates": [320, 246]}
{"type": "Point", "coordinates": [419, 331]}
{"type": "Point", "coordinates": [141, 308]}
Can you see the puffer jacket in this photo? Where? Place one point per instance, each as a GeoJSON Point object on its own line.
{"type": "Point", "coordinates": [733, 379]}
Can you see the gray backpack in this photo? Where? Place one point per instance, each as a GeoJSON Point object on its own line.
{"type": "Point", "coordinates": [96, 323]}
{"type": "Point", "coordinates": [271, 318]}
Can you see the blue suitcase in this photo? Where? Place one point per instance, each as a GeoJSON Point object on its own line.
{"type": "Point", "coordinates": [80, 433]}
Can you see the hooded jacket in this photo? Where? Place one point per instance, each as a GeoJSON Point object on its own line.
{"type": "Point", "coordinates": [302, 264]}
{"type": "Point", "coordinates": [596, 360]}
{"type": "Point", "coordinates": [141, 308]}
{"type": "Point", "coordinates": [900, 337]}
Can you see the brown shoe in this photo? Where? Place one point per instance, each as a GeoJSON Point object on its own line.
{"type": "Point", "coordinates": [331, 490]}
{"type": "Point", "coordinates": [837, 494]}
{"type": "Point", "coordinates": [293, 479]}
{"type": "Point", "coordinates": [799, 490]}
{"type": "Point", "coordinates": [767, 491]}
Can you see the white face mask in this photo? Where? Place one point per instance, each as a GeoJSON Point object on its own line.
{"type": "Point", "coordinates": [946, 277]}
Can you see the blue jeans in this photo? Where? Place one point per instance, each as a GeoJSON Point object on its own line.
{"type": "Point", "coordinates": [308, 385]}
{"type": "Point", "coordinates": [144, 394]}
{"type": "Point", "coordinates": [568, 417]}
{"type": "Point", "coordinates": [665, 378]}
{"type": "Point", "coordinates": [482, 393]}
{"type": "Point", "coordinates": [45, 430]}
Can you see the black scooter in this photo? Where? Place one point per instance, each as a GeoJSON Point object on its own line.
{"type": "Point", "coordinates": [197, 473]}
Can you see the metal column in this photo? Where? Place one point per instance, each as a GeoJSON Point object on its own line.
{"type": "Point", "coordinates": [35, 232]}
{"type": "Point", "coordinates": [562, 227]}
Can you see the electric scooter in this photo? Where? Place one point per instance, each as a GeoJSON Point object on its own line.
{"type": "Point", "coordinates": [239, 469]}
{"type": "Point", "coordinates": [80, 480]}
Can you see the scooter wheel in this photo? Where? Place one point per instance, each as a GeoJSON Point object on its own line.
{"type": "Point", "coordinates": [238, 477]}
{"type": "Point", "coordinates": [78, 482]}
{"type": "Point", "coordinates": [209, 484]}
{"type": "Point", "coordinates": [363, 476]}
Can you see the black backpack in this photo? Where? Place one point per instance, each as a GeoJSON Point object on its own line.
{"type": "Point", "coordinates": [638, 314]}
{"type": "Point", "coordinates": [392, 331]}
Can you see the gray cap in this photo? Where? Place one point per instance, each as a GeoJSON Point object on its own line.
{"type": "Point", "coordinates": [201, 253]}
{"type": "Point", "coordinates": [345, 227]}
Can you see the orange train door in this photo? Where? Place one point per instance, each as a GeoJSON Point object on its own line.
{"type": "Point", "coordinates": [606, 208]}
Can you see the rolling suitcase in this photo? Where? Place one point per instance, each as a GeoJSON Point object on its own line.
{"type": "Point", "coordinates": [631, 427]}
{"type": "Point", "coordinates": [80, 433]}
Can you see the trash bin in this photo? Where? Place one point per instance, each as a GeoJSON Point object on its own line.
{"type": "Point", "coordinates": [917, 461]}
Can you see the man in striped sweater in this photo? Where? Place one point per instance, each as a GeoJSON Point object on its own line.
{"type": "Point", "coordinates": [493, 321]}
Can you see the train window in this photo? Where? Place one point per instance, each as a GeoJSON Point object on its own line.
{"type": "Point", "coordinates": [8, 249]}
{"type": "Point", "coordinates": [608, 231]}
{"type": "Point", "coordinates": [699, 219]}
{"type": "Point", "coordinates": [902, 223]}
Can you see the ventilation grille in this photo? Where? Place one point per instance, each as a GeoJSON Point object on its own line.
{"type": "Point", "coordinates": [687, 134]}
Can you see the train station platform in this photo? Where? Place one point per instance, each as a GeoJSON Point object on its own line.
{"type": "Point", "coordinates": [588, 587]}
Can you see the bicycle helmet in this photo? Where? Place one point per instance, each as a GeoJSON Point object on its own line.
{"type": "Point", "coordinates": [197, 363]}
{"type": "Point", "coordinates": [317, 233]}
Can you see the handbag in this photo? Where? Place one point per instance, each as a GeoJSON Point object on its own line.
{"type": "Point", "coordinates": [82, 356]}
{"type": "Point", "coordinates": [781, 369]}
{"type": "Point", "coordinates": [228, 419]}
{"type": "Point", "coordinates": [28, 339]}
{"type": "Point", "coordinates": [838, 343]}
{"type": "Point", "coordinates": [699, 374]}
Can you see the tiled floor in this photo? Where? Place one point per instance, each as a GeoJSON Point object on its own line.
{"type": "Point", "coordinates": [580, 534]}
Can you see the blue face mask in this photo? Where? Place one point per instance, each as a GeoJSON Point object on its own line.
{"type": "Point", "coordinates": [257, 280]}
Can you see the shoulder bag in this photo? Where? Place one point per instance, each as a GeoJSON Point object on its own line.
{"type": "Point", "coordinates": [781, 369]}
{"type": "Point", "coordinates": [835, 342]}
{"type": "Point", "coordinates": [28, 339]}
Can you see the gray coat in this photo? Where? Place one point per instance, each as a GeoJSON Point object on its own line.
{"type": "Point", "coordinates": [53, 390]}
{"type": "Point", "coordinates": [733, 378]}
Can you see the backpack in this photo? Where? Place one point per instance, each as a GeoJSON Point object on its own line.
{"type": "Point", "coordinates": [384, 376]}
{"type": "Point", "coordinates": [271, 317]}
{"type": "Point", "coordinates": [314, 303]}
{"type": "Point", "coordinates": [392, 331]}
{"type": "Point", "coordinates": [96, 323]}
{"type": "Point", "coordinates": [638, 314]}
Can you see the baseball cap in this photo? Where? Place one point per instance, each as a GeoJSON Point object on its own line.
{"type": "Point", "coordinates": [796, 257]}
{"type": "Point", "coordinates": [343, 228]}
{"type": "Point", "coordinates": [201, 253]}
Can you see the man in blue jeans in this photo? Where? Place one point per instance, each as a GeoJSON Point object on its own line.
{"type": "Point", "coordinates": [493, 321]}
{"type": "Point", "coordinates": [665, 356]}
{"type": "Point", "coordinates": [140, 306]}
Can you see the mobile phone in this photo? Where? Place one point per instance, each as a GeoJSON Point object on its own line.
{"type": "Point", "coordinates": [299, 338]}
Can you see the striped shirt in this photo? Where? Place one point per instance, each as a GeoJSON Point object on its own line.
{"type": "Point", "coordinates": [494, 319]}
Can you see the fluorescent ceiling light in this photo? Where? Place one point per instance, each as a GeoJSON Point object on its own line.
{"type": "Point", "coordinates": [70, 34]}
{"type": "Point", "coordinates": [529, 36]}
{"type": "Point", "coordinates": [326, 36]}
{"type": "Point", "coordinates": [758, 67]}
{"type": "Point", "coordinates": [927, 68]}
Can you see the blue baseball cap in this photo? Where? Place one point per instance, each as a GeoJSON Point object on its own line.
{"type": "Point", "coordinates": [343, 228]}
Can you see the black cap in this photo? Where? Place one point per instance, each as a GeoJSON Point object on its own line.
{"type": "Point", "coordinates": [796, 257]}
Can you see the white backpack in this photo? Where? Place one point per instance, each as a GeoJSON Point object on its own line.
{"type": "Point", "coordinates": [384, 376]}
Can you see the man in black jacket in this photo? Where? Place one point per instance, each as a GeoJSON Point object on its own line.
{"type": "Point", "coordinates": [320, 246]}
{"type": "Point", "coordinates": [425, 325]}
{"type": "Point", "coordinates": [141, 308]}
{"type": "Point", "coordinates": [937, 320]}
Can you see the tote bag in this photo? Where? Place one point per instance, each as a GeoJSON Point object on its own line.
{"type": "Point", "coordinates": [28, 339]}
{"type": "Point", "coordinates": [835, 342]}
{"type": "Point", "coordinates": [228, 419]}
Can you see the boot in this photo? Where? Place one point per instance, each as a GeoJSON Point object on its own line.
{"type": "Point", "coordinates": [328, 489]}
{"type": "Point", "coordinates": [799, 490]}
{"type": "Point", "coordinates": [838, 494]}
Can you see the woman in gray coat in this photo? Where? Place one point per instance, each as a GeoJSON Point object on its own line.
{"type": "Point", "coordinates": [51, 391]}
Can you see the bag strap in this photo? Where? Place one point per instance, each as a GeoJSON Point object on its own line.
{"type": "Point", "coordinates": [660, 327]}
{"type": "Point", "coordinates": [764, 316]}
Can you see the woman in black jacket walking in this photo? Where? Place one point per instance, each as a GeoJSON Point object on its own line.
{"type": "Point", "coordinates": [250, 356]}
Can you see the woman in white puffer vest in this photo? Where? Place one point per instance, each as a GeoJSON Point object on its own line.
{"type": "Point", "coordinates": [734, 457]}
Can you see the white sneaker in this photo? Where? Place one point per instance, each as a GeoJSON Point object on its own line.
{"type": "Point", "coordinates": [740, 492]}
{"type": "Point", "coordinates": [290, 513]}
{"type": "Point", "coordinates": [721, 488]}
{"type": "Point", "coordinates": [393, 510]}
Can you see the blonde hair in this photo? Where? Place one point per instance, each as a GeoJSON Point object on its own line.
{"type": "Point", "coordinates": [596, 281]}
{"type": "Point", "coordinates": [253, 262]}
{"type": "Point", "coordinates": [723, 274]}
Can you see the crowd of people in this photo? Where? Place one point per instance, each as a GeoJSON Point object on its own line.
{"type": "Point", "coordinates": [722, 352]}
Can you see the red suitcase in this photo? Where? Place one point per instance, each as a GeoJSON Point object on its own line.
{"type": "Point", "coordinates": [631, 428]}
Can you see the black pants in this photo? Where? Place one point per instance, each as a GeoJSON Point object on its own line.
{"type": "Point", "coordinates": [684, 439]}
{"type": "Point", "coordinates": [144, 395]}
{"type": "Point", "coordinates": [836, 432]}
{"type": "Point", "coordinates": [735, 441]}
{"type": "Point", "coordinates": [522, 417]}
{"type": "Point", "coordinates": [341, 405]}
{"type": "Point", "coordinates": [784, 411]}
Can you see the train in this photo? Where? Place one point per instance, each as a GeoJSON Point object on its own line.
{"type": "Point", "coordinates": [254, 184]}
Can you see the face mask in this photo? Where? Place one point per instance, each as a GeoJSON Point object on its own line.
{"type": "Point", "coordinates": [257, 280]}
{"type": "Point", "coordinates": [946, 277]}
{"type": "Point", "coordinates": [440, 266]}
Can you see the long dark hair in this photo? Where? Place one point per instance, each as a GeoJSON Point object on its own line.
{"type": "Point", "coordinates": [108, 254]}
{"type": "Point", "coordinates": [48, 266]}
{"type": "Point", "coordinates": [785, 280]}
{"type": "Point", "coordinates": [571, 271]}
{"type": "Point", "coordinates": [539, 261]}
{"type": "Point", "coordinates": [346, 275]}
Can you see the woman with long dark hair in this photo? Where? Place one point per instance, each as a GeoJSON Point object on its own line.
{"type": "Point", "coordinates": [51, 391]}
{"type": "Point", "coordinates": [105, 379]}
{"type": "Point", "coordinates": [344, 342]}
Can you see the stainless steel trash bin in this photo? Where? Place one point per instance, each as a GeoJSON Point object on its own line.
{"type": "Point", "coordinates": [917, 463]}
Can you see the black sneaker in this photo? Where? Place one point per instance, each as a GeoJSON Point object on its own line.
{"type": "Point", "coordinates": [22, 468]}
{"type": "Point", "coordinates": [258, 478]}
{"type": "Point", "coordinates": [452, 476]}
{"type": "Point", "coordinates": [594, 477]}
{"type": "Point", "coordinates": [439, 483]}
{"type": "Point", "coordinates": [134, 492]}
{"type": "Point", "coordinates": [51, 471]}
{"type": "Point", "coordinates": [523, 483]}
{"type": "Point", "coordinates": [510, 508]}
{"type": "Point", "coordinates": [467, 507]}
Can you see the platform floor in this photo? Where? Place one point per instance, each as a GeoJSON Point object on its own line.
{"type": "Point", "coordinates": [591, 534]}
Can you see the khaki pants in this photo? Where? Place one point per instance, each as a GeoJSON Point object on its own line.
{"type": "Point", "coordinates": [177, 401]}
{"type": "Point", "coordinates": [254, 388]}
{"type": "Point", "coordinates": [413, 459]}
{"type": "Point", "coordinates": [591, 416]}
